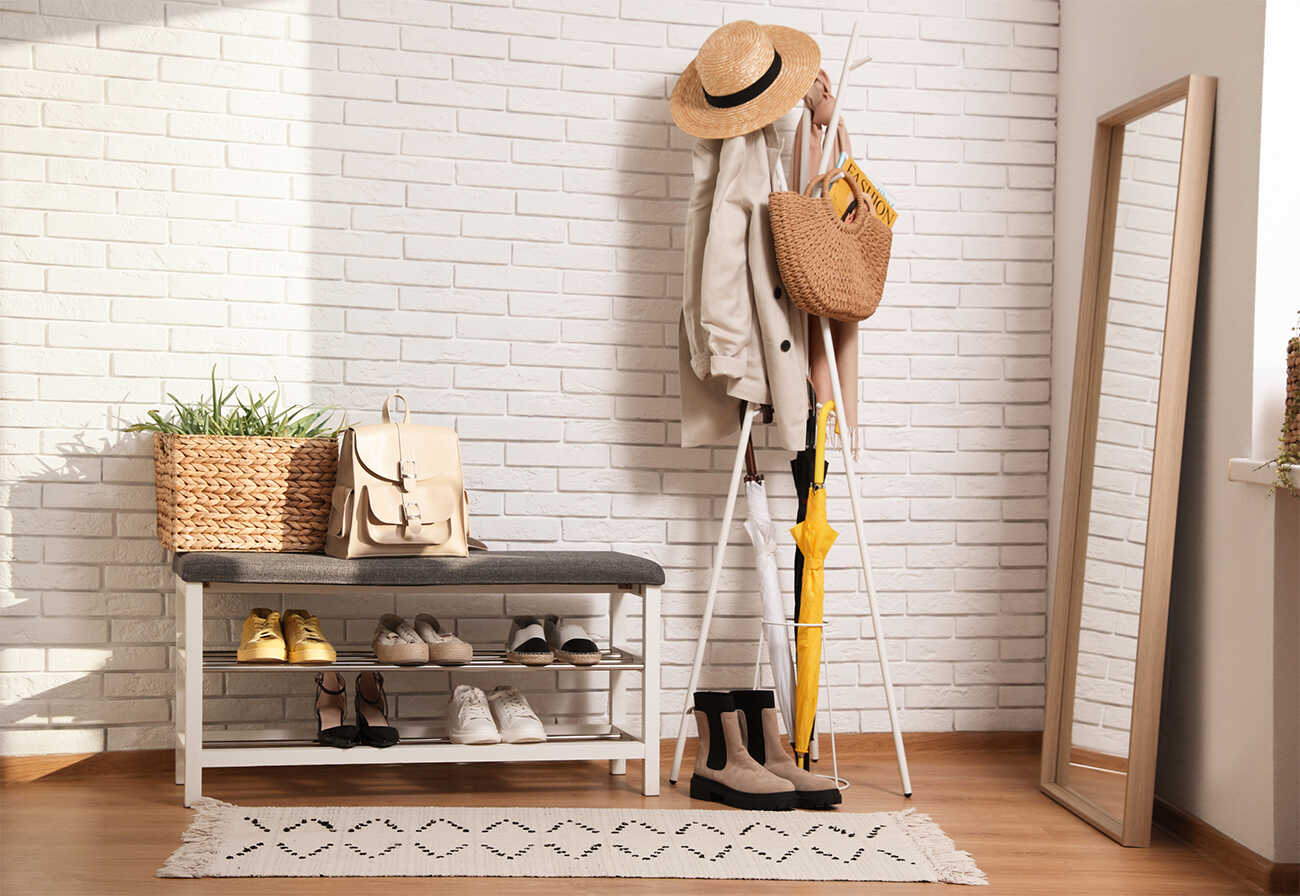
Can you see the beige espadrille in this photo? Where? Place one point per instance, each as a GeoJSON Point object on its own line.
{"type": "Point", "coordinates": [395, 642]}
{"type": "Point", "coordinates": [445, 649]}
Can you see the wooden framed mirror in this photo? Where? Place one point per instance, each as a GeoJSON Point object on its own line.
{"type": "Point", "coordinates": [1123, 456]}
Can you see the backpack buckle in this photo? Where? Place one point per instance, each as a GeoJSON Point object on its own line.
{"type": "Point", "coordinates": [406, 470]}
{"type": "Point", "coordinates": [411, 510]}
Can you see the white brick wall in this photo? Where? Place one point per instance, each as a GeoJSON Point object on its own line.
{"type": "Point", "coordinates": [482, 203]}
{"type": "Point", "coordinates": [1126, 431]}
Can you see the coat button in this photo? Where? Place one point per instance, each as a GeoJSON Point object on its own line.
{"type": "Point", "coordinates": [777, 292]}
{"type": "Point", "coordinates": [785, 345]}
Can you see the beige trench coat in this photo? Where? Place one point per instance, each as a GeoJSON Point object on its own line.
{"type": "Point", "coordinates": [740, 338]}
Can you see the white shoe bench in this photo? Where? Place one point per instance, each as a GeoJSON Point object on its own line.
{"type": "Point", "coordinates": [621, 576]}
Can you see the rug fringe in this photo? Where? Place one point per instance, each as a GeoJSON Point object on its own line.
{"type": "Point", "coordinates": [200, 843]}
{"type": "Point", "coordinates": [953, 865]}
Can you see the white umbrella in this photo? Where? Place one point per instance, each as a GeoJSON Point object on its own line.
{"type": "Point", "coordinates": [763, 533]}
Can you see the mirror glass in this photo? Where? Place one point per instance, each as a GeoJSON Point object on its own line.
{"type": "Point", "coordinates": [1121, 484]}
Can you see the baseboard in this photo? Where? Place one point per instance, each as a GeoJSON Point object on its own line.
{"type": "Point", "coordinates": [1098, 759]}
{"type": "Point", "coordinates": [25, 769]}
{"type": "Point", "coordinates": [1269, 876]}
{"type": "Point", "coordinates": [942, 741]}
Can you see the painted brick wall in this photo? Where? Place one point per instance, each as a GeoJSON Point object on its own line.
{"type": "Point", "coordinates": [482, 203]}
{"type": "Point", "coordinates": [1126, 431]}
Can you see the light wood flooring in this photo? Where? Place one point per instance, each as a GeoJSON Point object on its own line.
{"type": "Point", "coordinates": [104, 825]}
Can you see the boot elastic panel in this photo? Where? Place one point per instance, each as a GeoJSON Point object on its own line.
{"type": "Point", "coordinates": [751, 705]}
{"type": "Point", "coordinates": [713, 704]}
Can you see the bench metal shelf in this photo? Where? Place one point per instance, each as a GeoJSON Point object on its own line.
{"type": "Point", "coordinates": [561, 744]}
{"type": "Point", "coordinates": [611, 660]}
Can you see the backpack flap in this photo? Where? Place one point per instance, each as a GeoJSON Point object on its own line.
{"type": "Point", "coordinates": [405, 454]}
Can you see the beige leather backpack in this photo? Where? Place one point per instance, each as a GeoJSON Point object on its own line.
{"type": "Point", "coordinates": [399, 491]}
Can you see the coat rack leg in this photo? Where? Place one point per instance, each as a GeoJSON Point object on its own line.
{"type": "Point", "coordinates": [719, 554]}
{"type": "Point", "coordinates": [851, 475]}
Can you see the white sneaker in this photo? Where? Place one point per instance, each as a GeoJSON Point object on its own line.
{"type": "Point", "coordinates": [514, 717]}
{"type": "Point", "coordinates": [469, 720]}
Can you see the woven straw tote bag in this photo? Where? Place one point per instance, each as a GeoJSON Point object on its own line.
{"type": "Point", "coordinates": [830, 268]}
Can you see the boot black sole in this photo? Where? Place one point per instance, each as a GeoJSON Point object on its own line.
{"type": "Point", "coordinates": [818, 799]}
{"type": "Point", "coordinates": [704, 789]}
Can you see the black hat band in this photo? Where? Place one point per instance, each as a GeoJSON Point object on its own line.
{"type": "Point", "coordinates": [740, 97]}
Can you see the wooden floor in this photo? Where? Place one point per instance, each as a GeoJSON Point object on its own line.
{"type": "Point", "coordinates": [103, 826]}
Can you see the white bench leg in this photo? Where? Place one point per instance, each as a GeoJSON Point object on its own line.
{"type": "Point", "coordinates": [178, 665]}
{"type": "Point", "coordinates": [191, 667]}
{"type": "Point", "coordinates": [650, 690]}
{"type": "Point", "coordinates": [618, 681]}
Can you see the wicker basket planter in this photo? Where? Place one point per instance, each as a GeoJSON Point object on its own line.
{"type": "Point", "coordinates": [243, 493]}
{"type": "Point", "coordinates": [1291, 429]}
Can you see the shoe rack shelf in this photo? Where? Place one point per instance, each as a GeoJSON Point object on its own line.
{"type": "Point", "coordinates": [247, 748]}
{"type": "Point", "coordinates": [611, 741]}
{"type": "Point", "coordinates": [612, 660]}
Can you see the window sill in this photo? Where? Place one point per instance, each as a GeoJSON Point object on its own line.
{"type": "Point", "coordinates": [1254, 471]}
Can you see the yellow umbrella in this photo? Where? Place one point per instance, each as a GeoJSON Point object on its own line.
{"type": "Point", "coordinates": [814, 536]}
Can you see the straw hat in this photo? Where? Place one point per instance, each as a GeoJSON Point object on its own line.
{"type": "Point", "coordinates": [745, 77]}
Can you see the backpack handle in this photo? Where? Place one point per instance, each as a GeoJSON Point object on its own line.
{"type": "Point", "coordinates": [406, 407]}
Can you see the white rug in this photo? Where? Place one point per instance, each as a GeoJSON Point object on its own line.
{"type": "Point", "coordinates": [335, 841]}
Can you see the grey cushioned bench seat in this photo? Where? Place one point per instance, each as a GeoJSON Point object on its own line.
{"type": "Point", "coordinates": [479, 568]}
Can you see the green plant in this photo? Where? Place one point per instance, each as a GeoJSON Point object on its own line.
{"type": "Point", "coordinates": [226, 413]}
{"type": "Point", "coordinates": [1288, 452]}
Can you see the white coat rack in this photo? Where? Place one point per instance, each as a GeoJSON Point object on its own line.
{"type": "Point", "coordinates": [850, 475]}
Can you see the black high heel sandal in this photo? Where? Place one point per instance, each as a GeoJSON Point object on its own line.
{"type": "Point", "coordinates": [331, 703]}
{"type": "Point", "coordinates": [372, 712]}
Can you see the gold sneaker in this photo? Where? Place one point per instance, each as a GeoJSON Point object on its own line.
{"type": "Point", "coordinates": [307, 643]}
{"type": "Point", "coordinates": [261, 641]}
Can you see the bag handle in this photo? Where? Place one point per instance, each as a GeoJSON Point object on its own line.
{"type": "Point", "coordinates": [406, 408]}
{"type": "Point", "coordinates": [824, 180]}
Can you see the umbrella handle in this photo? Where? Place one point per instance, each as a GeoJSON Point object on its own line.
{"type": "Point", "coordinates": [819, 465]}
{"type": "Point", "coordinates": [751, 463]}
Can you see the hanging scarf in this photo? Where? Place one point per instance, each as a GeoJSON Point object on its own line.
{"type": "Point", "coordinates": [820, 104]}
{"type": "Point", "coordinates": [844, 335]}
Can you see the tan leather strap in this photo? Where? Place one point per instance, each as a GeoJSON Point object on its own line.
{"type": "Point", "coordinates": [406, 408]}
{"type": "Point", "coordinates": [345, 516]}
{"type": "Point", "coordinates": [407, 471]}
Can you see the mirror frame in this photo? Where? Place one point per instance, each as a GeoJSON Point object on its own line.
{"type": "Point", "coordinates": [1134, 828]}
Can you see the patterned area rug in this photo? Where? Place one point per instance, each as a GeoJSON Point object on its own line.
{"type": "Point", "coordinates": [270, 841]}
